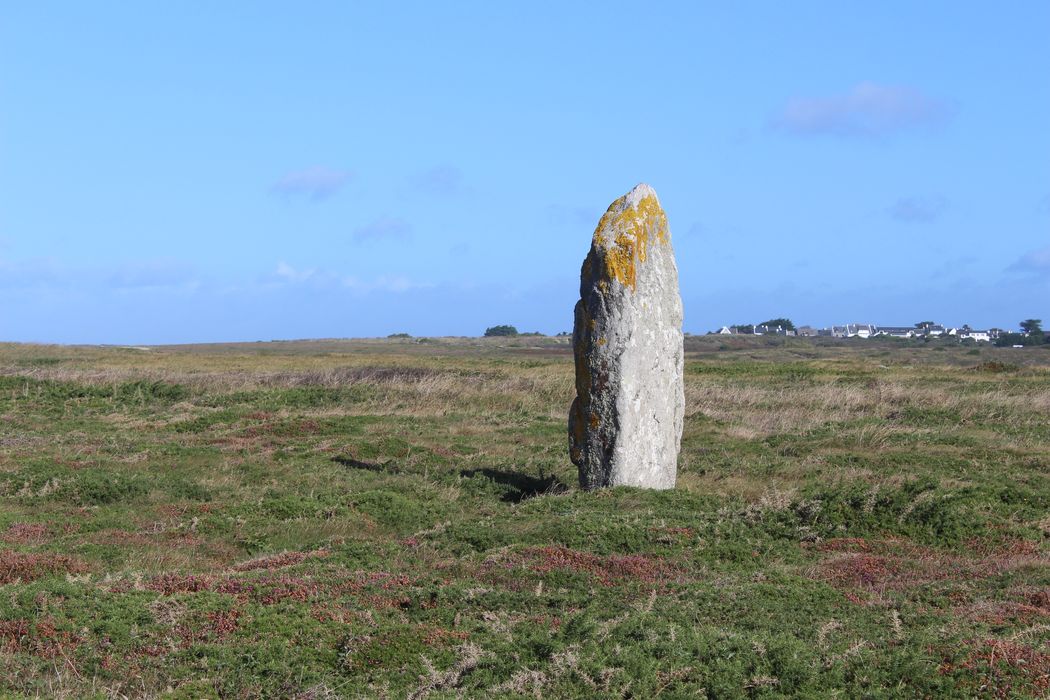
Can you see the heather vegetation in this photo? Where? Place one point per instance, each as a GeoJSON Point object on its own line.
{"type": "Point", "coordinates": [397, 518]}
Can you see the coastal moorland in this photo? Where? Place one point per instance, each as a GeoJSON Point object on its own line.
{"type": "Point", "coordinates": [399, 518]}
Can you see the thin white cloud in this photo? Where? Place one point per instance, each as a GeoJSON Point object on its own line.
{"type": "Point", "coordinates": [315, 183]}
{"type": "Point", "coordinates": [1036, 262]}
{"type": "Point", "coordinates": [442, 180]}
{"type": "Point", "coordinates": [383, 283]}
{"type": "Point", "coordinates": [868, 109]}
{"type": "Point", "coordinates": [286, 274]}
{"type": "Point", "coordinates": [918, 210]}
{"type": "Point", "coordinates": [384, 228]}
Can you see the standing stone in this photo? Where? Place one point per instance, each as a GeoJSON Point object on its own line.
{"type": "Point", "coordinates": [625, 425]}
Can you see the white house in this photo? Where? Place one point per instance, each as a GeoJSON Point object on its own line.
{"type": "Point", "coordinates": [859, 330]}
{"type": "Point", "coordinates": [897, 331]}
{"type": "Point", "coordinates": [979, 336]}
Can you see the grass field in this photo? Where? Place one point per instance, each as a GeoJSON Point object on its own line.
{"type": "Point", "coordinates": [399, 519]}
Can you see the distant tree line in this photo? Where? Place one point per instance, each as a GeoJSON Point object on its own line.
{"type": "Point", "coordinates": [749, 328]}
{"type": "Point", "coordinates": [507, 331]}
{"type": "Point", "coordinates": [1031, 334]}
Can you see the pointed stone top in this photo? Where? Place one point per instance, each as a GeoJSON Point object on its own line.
{"type": "Point", "coordinates": [640, 192]}
{"type": "Point", "coordinates": [632, 224]}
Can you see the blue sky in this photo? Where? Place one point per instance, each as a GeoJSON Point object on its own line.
{"type": "Point", "coordinates": [200, 171]}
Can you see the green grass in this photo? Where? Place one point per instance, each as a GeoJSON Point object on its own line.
{"type": "Point", "coordinates": [400, 519]}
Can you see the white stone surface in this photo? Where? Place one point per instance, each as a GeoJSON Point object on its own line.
{"type": "Point", "coordinates": [625, 425]}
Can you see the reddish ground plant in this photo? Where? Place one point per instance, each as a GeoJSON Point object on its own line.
{"type": "Point", "coordinates": [383, 580]}
{"type": "Point", "coordinates": [327, 611]}
{"type": "Point", "coordinates": [607, 570]}
{"type": "Point", "coordinates": [182, 510]}
{"type": "Point", "coordinates": [223, 623]}
{"type": "Point", "coordinates": [215, 627]}
{"type": "Point", "coordinates": [16, 566]}
{"type": "Point", "coordinates": [440, 635]}
{"type": "Point", "coordinates": [170, 584]}
{"type": "Point", "coordinates": [26, 533]}
{"type": "Point", "coordinates": [672, 535]}
{"type": "Point", "coordinates": [1002, 612]}
{"type": "Point", "coordinates": [271, 591]}
{"type": "Point", "coordinates": [844, 544]}
{"type": "Point", "coordinates": [40, 637]}
{"type": "Point", "coordinates": [865, 571]}
{"type": "Point", "coordinates": [1041, 600]}
{"type": "Point", "coordinates": [1002, 546]}
{"type": "Point", "coordinates": [1003, 668]}
{"type": "Point", "coordinates": [859, 566]}
{"type": "Point", "coordinates": [12, 634]}
{"type": "Point", "coordinates": [265, 589]}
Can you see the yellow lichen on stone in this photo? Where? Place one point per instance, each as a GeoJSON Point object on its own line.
{"type": "Point", "coordinates": [633, 228]}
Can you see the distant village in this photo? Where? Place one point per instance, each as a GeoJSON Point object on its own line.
{"type": "Point", "coordinates": [924, 330]}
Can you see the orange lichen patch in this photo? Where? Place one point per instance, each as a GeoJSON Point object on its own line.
{"type": "Point", "coordinates": [635, 228]}
{"type": "Point", "coordinates": [594, 421]}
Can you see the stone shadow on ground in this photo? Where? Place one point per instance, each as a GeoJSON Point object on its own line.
{"type": "Point", "coordinates": [389, 467]}
{"type": "Point", "coordinates": [522, 486]}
